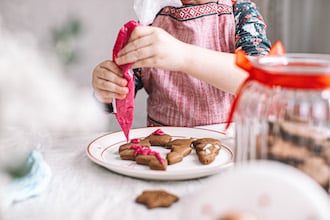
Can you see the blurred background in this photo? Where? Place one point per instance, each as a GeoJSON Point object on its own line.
{"type": "Point", "coordinates": [77, 35]}
{"type": "Point", "coordinates": [302, 25]}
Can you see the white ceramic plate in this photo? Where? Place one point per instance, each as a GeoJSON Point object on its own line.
{"type": "Point", "coordinates": [104, 151]}
{"type": "Point", "coordinates": [263, 189]}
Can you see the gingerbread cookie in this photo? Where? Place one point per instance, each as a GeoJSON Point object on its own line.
{"type": "Point", "coordinates": [318, 169]}
{"type": "Point", "coordinates": [156, 198]}
{"type": "Point", "coordinates": [128, 154]}
{"type": "Point", "coordinates": [153, 162]}
{"type": "Point", "coordinates": [207, 149]}
{"type": "Point", "coordinates": [158, 138]}
{"type": "Point", "coordinates": [135, 141]}
{"type": "Point", "coordinates": [144, 155]}
{"type": "Point", "coordinates": [181, 142]}
{"type": "Point", "coordinates": [179, 149]}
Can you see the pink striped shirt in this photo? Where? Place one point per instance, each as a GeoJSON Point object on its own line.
{"type": "Point", "coordinates": [175, 98]}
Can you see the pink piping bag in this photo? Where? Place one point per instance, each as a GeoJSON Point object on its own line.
{"type": "Point", "coordinates": [124, 109]}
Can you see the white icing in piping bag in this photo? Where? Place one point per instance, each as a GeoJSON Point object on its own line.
{"type": "Point", "coordinates": [146, 10]}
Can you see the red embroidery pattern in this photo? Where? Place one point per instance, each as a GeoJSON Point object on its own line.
{"type": "Point", "coordinates": [191, 12]}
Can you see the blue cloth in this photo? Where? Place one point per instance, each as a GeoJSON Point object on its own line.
{"type": "Point", "coordinates": [33, 183]}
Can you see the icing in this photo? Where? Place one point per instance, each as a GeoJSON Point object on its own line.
{"type": "Point", "coordinates": [158, 132]}
{"type": "Point", "coordinates": [208, 146]}
{"type": "Point", "coordinates": [135, 141]}
{"type": "Point", "coordinates": [146, 151]}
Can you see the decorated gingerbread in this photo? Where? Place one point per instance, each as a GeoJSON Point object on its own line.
{"type": "Point", "coordinates": [159, 138]}
{"type": "Point", "coordinates": [144, 155]}
{"type": "Point", "coordinates": [207, 149]}
{"type": "Point", "coordinates": [135, 141]}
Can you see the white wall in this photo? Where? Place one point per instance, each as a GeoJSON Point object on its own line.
{"type": "Point", "coordinates": [101, 20]}
{"type": "Point", "coordinates": [302, 25]}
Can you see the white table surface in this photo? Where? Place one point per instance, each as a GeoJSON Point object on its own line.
{"type": "Point", "coordinates": [81, 189]}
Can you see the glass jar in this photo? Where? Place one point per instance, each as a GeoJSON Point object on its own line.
{"type": "Point", "coordinates": [282, 113]}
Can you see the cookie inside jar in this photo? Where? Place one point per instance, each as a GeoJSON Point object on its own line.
{"type": "Point", "coordinates": [298, 143]}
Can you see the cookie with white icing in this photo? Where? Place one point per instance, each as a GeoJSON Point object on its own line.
{"type": "Point", "coordinates": [207, 149]}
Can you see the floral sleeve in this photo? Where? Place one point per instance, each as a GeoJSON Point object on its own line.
{"type": "Point", "coordinates": [250, 29]}
{"type": "Point", "coordinates": [138, 80]}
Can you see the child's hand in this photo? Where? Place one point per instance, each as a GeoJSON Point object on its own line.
{"type": "Point", "coordinates": [152, 47]}
{"type": "Point", "coordinates": [108, 82]}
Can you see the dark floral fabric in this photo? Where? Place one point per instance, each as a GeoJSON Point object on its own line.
{"type": "Point", "coordinates": [250, 28]}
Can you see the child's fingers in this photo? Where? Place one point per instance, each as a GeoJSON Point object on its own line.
{"type": "Point", "coordinates": [141, 31]}
{"type": "Point", "coordinates": [137, 55]}
{"type": "Point", "coordinates": [137, 44]}
{"type": "Point", "coordinates": [109, 86]}
{"type": "Point", "coordinates": [110, 66]}
{"type": "Point", "coordinates": [106, 96]}
{"type": "Point", "coordinates": [102, 74]}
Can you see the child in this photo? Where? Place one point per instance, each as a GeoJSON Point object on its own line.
{"type": "Point", "coordinates": [187, 61]}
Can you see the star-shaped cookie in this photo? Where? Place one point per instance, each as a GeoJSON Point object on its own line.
{"type": "Point", "coordinates": [156, 198]}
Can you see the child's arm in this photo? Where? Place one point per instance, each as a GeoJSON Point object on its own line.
{"type": "Point", "coordinates": [216, 68]}
{"type": "Point", "coordinates": [154, 47]}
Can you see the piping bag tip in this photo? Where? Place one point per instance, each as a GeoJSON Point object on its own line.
{"type": "Point", "coordinates": [125, 122]}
